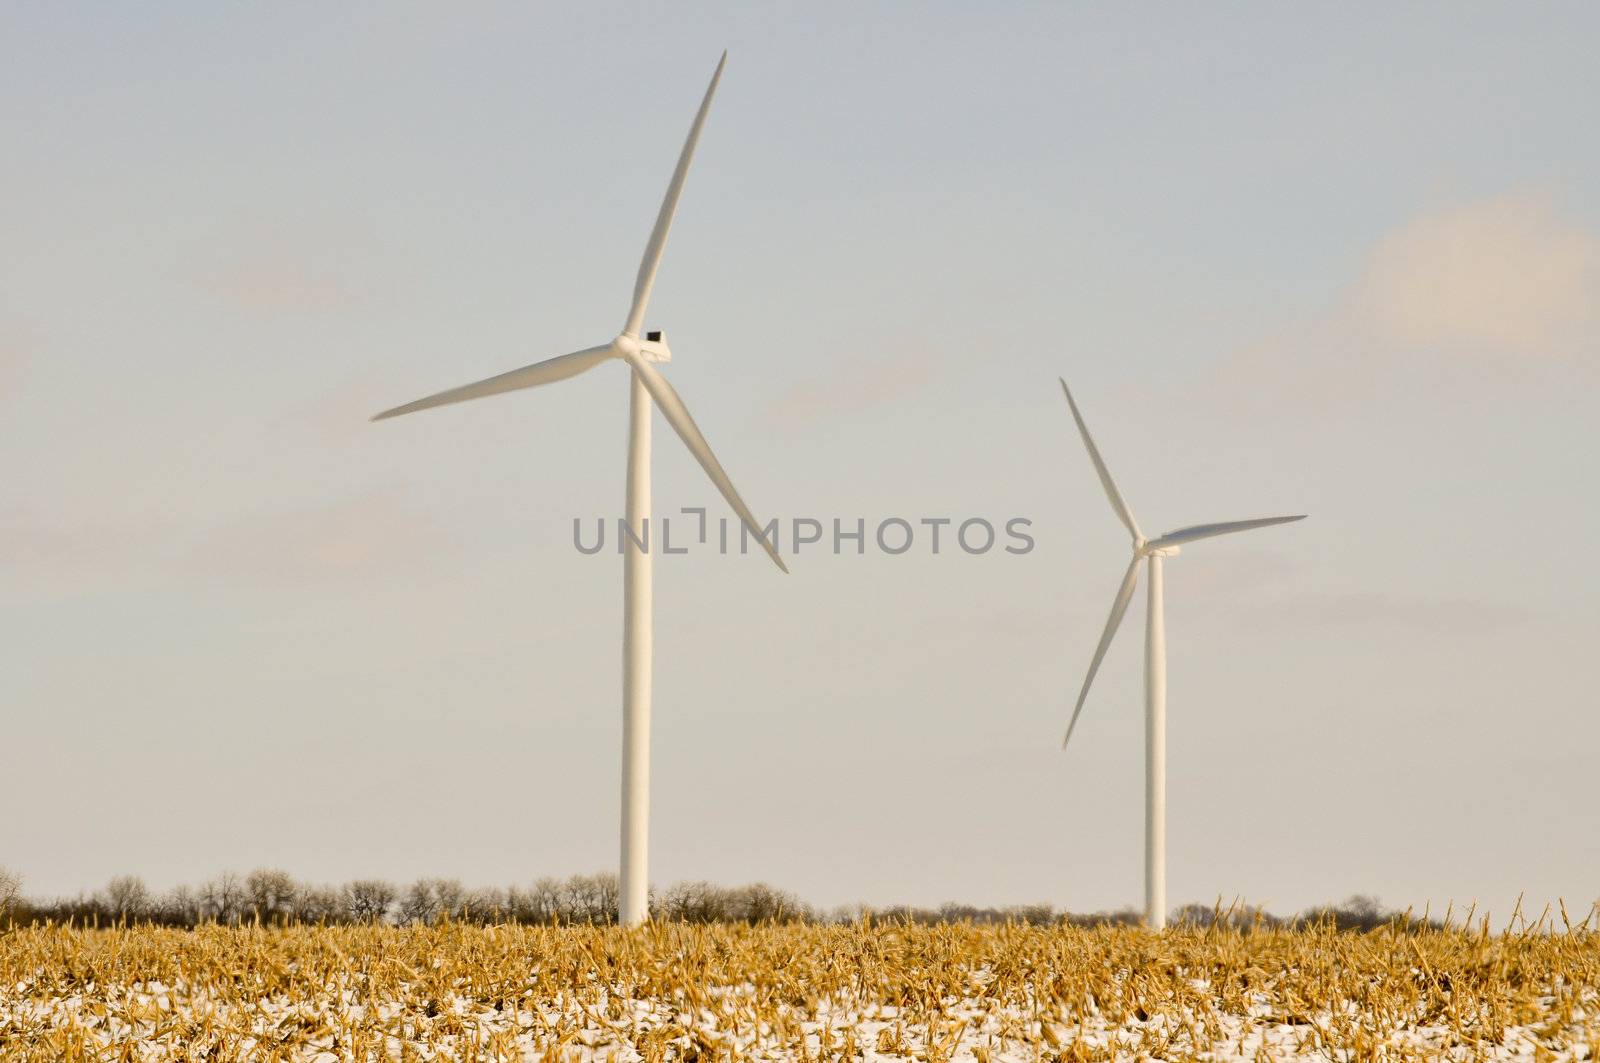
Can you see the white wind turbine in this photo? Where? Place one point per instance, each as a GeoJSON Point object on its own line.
{"type": "Point", "coordinates": [647, 385]}
{"type": "Point", "coordinates": [1151, 552]}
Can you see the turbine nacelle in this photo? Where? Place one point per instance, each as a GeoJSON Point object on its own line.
{"type": "Point", "coordinates": [653, 348]}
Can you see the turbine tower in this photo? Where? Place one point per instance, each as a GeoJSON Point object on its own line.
{"type": "Point", "coordinates": [1152, 552]}
{"type": "Point", "coordinates": [642, 352]}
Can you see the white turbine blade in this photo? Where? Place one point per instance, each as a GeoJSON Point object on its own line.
{"type": "Point", "coordinates": [1117, 504]}
{"type": "Point", "coordinates": [669, 207]}
{"type": "Point", "coordinates": [1118, 607]}
{"type": "Point", "coordinates": [677, 415]}
{"type": "Point", "coordinates": [1206, 531]}
{"type": "Point", "coordinates": [531, 376]}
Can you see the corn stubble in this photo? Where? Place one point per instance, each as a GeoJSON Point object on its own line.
{"type": "Point", "coordinates": [677, 991]}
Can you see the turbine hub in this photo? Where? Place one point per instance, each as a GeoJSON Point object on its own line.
{"type": "Point", "coordinates": [653, 348]}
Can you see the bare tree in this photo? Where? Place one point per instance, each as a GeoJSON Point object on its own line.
{"type": "Point", "coordinates": [689, 902]}
{"type": "Point", "coordinates": [127, 898]}
{"type": "Point", "coordinates": [1033, 914]}
{"type": "Point", "coordinates": [270, 894]}
{"type": "Point", "coordinates": [222, 899]}
{"type": "Point", "coordinates": [1120, 917]}
{"type": "Point", "coordinates": [10, 892]}
{"type": "Point", "coordinates": [453, 899]}
{"type": "Point", "coordinates": [847, 914]}
{"type": "Point", "coordinates": [543, 902]}
{"type": "Point", "coordinates": [704, 902]}
{"type": "Point", "coordinates": [368, 900]}
{"type": "Point", "coordinates": [589, 898]}
{"type": "Point", "coordinates": [318, 904]}
{"type": "Point", "coordinates": [1234, 916]}
{"type": "Point", "coordinates": [1359, 912]}
{"type": "Point", "coordinates": [486, 904]}
{"type": "Point", "coordinates": [418, 905]}
{"type": "Point", "coordinates": [761, 903]}
{"type": "Point", "coordinates": [179, 906]}
{"type": "Point", "coordinates": [608, 893]}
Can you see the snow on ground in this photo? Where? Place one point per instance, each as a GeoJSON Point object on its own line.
{"type": "Point", "coordinates": [865, 991]}
{"type": "Point", "coordinates": [155, 1021]}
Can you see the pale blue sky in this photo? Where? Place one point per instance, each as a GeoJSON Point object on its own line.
{"type": "Point", "coordinates": [1329, 261]}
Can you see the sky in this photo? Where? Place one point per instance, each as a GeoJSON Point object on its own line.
{"type": "Point", "coordinates": [1291, 260]}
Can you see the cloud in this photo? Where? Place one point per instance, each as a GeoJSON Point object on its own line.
{"type": "Point", "coordinates": [10, 370]}
{"type": "Point", "coordinates": [62, 555]}
{"type": "Point", "coordinates": [296, 263]}
{"type": "Point", "coordinates": [29, 545]}
{"type": "Point", "coordinates": [850, 387]}
{"type": "Point", "coordinates": [371, 532]}
{"type": "Point", "coordinates": [341, 413]}
{"type": "Point", "coordinates": [1375, 609]}
{"type": "Point", "coordinates": [1509, 283]}
{"type": "Point", "coordinates": [1257, 573]}
{"type": "Point", "coordinates": [275, 282]}
{"type": "Point", "coordinates": [53, 555]}
{"type": "Point", "coordinates": [1508, 275]}
{"type": "Point", "coordinates": [1236, 571]}
{"type": "Point", "coordinates": [14, 351]}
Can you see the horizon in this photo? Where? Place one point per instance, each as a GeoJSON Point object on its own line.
{"type": "Point", "coordinates": [479, 900]}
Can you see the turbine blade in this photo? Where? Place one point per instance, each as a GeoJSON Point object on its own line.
{"type": "Point", "coordinates": [1118, 607]}
{"type": "Point", "coordinates": [677, 415]}
{"type": "Point", "coordinates": [1206, 531]}
{"type": "Point", "coordinates": [1124, 514]}
{"type": "Point", "coordinates": [669, 206]}
{"type": "Point", "coordinates": [531, 376]}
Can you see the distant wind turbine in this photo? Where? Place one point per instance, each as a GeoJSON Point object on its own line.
{"type": "Point", "coordinates": [1151, 552]}
{"type": "Point", "coordinates": [647, 385]}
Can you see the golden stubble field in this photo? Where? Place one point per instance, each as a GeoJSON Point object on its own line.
{"type": "Point", "coordinates": [795, 992]}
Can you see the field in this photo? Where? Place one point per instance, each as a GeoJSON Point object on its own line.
{"type": "Point", "coordinates": [677, 991]}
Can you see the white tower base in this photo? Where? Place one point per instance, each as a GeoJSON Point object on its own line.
{"type": "Point", "coordinates": [633, 898]}
{"type": "Point", "coordinates": [1155, 754]}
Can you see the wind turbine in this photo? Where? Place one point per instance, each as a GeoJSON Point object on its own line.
{"type": "Point", "coordinates": [1151, 552]}
{"type": "Point", "coordinates": [647, 385]}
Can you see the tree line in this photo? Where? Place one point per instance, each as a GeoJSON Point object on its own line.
{"type": "Point", "coordinates": [273, 897]}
